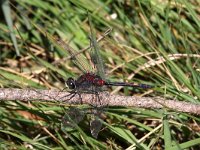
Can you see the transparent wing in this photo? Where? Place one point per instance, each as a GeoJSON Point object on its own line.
{"type": "Point", "coordinates": [95, 54]}
{"type": "Point", "coordinates": [95, 127]}
{"type": "Point", "coordinates": [95, 122]}
{"type": "Point", "coordinates": [72, 117]}
{"type": "Point", "coordinates": [79, 60]}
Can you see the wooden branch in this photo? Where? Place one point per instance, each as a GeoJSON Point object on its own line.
{"type": "Point", "coordinates": [106, 99]}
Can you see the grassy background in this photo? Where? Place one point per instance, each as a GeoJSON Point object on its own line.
{"type": "Point", "coordinates": [142, 31]}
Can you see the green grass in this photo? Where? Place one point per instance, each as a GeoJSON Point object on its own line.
{"type": "Point", "coordinates": [142, 31]}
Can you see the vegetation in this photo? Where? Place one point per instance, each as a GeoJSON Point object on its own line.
{"type": "Point", "coordinates": [152, 42]}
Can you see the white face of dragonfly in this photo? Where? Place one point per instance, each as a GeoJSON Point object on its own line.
{"type": "Point", "coordinates": [70, 83]}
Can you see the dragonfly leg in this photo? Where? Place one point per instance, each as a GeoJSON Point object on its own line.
{"type": "Point", "coordinates": [71, 94]}
{"type": "Point", "coordinates": [80, 97]}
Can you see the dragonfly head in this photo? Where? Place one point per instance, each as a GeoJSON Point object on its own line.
{"type": "Point", "coordinates": [70, 83]}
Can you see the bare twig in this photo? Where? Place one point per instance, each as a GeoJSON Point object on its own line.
{"type": "Point", "coordinates": [161, 60]}
{"type": "Point", "coordinates": [111, 100]}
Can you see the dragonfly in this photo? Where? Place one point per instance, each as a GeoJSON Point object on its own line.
{"type": "Point", "coordinates": [92, 82]}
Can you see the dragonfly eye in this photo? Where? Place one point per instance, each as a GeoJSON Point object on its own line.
{"type": "Point", "coordinates": [70, 83]}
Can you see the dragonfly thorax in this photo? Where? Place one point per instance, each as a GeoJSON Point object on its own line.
{"type": "Point", "coordinates": [85, 81]}
{"type": "Point", "coordinates": [93, 79]}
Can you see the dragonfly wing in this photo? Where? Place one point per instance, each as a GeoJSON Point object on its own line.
{"type": "Point", "coordinates": [96, 57]}
{"type": "Point", "coordinates": [78, 59]}
{"type": "Point", "coordinates": [72, 117]}
{"type": "Point", "coordinates": [95, 127]}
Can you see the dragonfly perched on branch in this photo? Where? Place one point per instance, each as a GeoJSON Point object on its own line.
{"type": "Point", "coordinates": [92, 81]}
